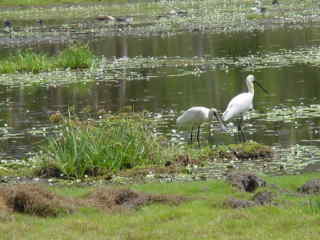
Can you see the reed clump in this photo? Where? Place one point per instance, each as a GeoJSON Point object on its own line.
{"type": "Point", "coordinates": [74, 57]}
{"type": "Point", "coordinates": [96, 148]}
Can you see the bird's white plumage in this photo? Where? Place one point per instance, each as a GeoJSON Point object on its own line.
{"type": "Point", "coordinates": [240, 103]}
{"type": "Point", "coordinates": [194, 116]}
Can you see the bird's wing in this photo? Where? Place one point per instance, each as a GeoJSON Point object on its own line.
{"type": "Point", "coordinates": [193, 115]}
{"type": "Point", "coordinates": [239, 104]}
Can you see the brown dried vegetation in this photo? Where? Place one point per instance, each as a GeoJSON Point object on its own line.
{"type": "Point", "coordinates": [123, 199]}
{"type": "Point", "coordinates": [34, 200]}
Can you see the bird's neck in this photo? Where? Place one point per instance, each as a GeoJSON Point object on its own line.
{"type": "Point", "coordinates": [219, 120]}
{"type": "Point", "coordinates": [250, 87]}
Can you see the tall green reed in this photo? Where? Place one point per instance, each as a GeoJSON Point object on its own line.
{"type": "Point", "coordinates": [74, 57]}
{"type": "Point", "coordinates": [119, 142]}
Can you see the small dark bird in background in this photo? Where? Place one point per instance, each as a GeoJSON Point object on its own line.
{"type": "Point", "coordinates": [124, 19]}
{"type": "Point", "coordinates": [275, 2]}
{"type": "Point", "coordinates": [117, 19]}
{"type": "Point", "coordinates": [105, 18]}
{"type": "Point", "coordinates": [263, 10]}
{"type": "Point", "coordinates": [40, 22]}
{"type": "Point", "coordinates": [7, 23]}
{"type": "Point", "coordinates": [8, 28]}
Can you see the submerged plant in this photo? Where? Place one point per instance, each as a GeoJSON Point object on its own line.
{"type": "Point", "coordinates": [91, 148]}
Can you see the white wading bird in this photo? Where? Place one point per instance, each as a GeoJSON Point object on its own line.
{"type": "Point", "coordinates": [195, 116]}
{"type": "Point", "coordinates": [242, 103]}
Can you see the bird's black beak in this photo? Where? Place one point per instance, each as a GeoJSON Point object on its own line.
{"type": "Point", "coordinates": [260, 86]}
{"type": "Point", "coordinates": [220, 121]}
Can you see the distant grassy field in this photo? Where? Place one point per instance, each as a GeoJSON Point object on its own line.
{"type": "Point", "coordinates": [53, 2]}
{"type": "Point", "coordinates": [203, 217]}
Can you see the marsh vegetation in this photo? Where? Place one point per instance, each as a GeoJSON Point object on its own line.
{"type": "Point", "coordinates": [88, 100]}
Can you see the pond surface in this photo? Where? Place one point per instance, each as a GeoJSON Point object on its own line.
{"type": "Point", "coordinates": [166, 91]}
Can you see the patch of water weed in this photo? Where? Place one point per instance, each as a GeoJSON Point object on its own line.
{"type": "Point", "coordinates": [159, 17]}
{"type": "Point", "coordinates": [130, 68]}
{"type": "Point", "coordinates": [287, 114]}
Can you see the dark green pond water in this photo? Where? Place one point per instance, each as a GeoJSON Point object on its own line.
{"type": "Point", "coordinates": [166, 91]}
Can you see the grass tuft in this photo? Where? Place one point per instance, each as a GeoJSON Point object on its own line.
{"type": "Point", "coordinates": [34, 200]}
{"type": "Point", "coordinates": [95, 148]}
{"type": "Point", "coordinates": [75, 57]}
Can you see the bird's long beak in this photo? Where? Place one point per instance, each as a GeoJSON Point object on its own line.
{"type": "Point", "coordinates": [220, 121]}
{"type": "Point", "coordinates": [260, 86]}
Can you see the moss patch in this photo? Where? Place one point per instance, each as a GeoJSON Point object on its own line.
{"type": "Point", "coordinates": [251, 150]}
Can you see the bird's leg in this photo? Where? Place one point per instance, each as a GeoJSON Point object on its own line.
{"type": "Point", "coordinates": [198, 133]}
{"type": "Point", "coordinates": [238, 130]}
{"type": "Point", "coordinates": [240, 133]}
{"type": "Point", "coordinates": [243, 136]}
{"type": "Point", "coordinates": [191, 135]}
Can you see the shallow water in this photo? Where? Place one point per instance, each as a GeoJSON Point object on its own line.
{"type": "Point", "coordinates": [166, 91]}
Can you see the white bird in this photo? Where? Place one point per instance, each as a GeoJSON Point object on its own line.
{"type": "Point", "coordinates": [195, 116]}
{"type": "Point", "coordinates": [241, 103]}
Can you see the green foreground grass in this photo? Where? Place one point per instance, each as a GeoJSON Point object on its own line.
{"type": "Point", "coordinates": [204, 217]}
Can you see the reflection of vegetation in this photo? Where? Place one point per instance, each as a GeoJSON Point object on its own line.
{"type": "Point", "coordinates": [74, 57]}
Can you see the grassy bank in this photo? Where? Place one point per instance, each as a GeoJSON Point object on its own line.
{"type": "Point", "coordinates": [203, 216]}
{"type": "Point", "coordinates": [73, 57]}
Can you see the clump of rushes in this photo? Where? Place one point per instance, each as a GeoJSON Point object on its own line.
{"type": "Point", "coordinates": [74, 57]}
{"type": "Point", "coordinates": [77, 56]}
{"type": "Point", "coordinates": [95, 148]}
{"type": "Point", "coordinates": [25, 61]}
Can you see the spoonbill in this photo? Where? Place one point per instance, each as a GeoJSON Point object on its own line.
{"type": "Point", "coordinates": [242, 103]}
{"type": "Point", "coordinates": [195, 116]}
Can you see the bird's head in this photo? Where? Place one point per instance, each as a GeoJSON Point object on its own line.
{"type": "Point", "coordinates": [252, 80]}
{"type": "Point", "coordinates": [214, 112]}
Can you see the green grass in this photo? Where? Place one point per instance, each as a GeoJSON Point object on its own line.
{"type": "Point", "coordinates": [202, 218]}
{"type": "Point", "coordinates": [73, 57]}
{"type": "Point", "coordinates": [118, 142]}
